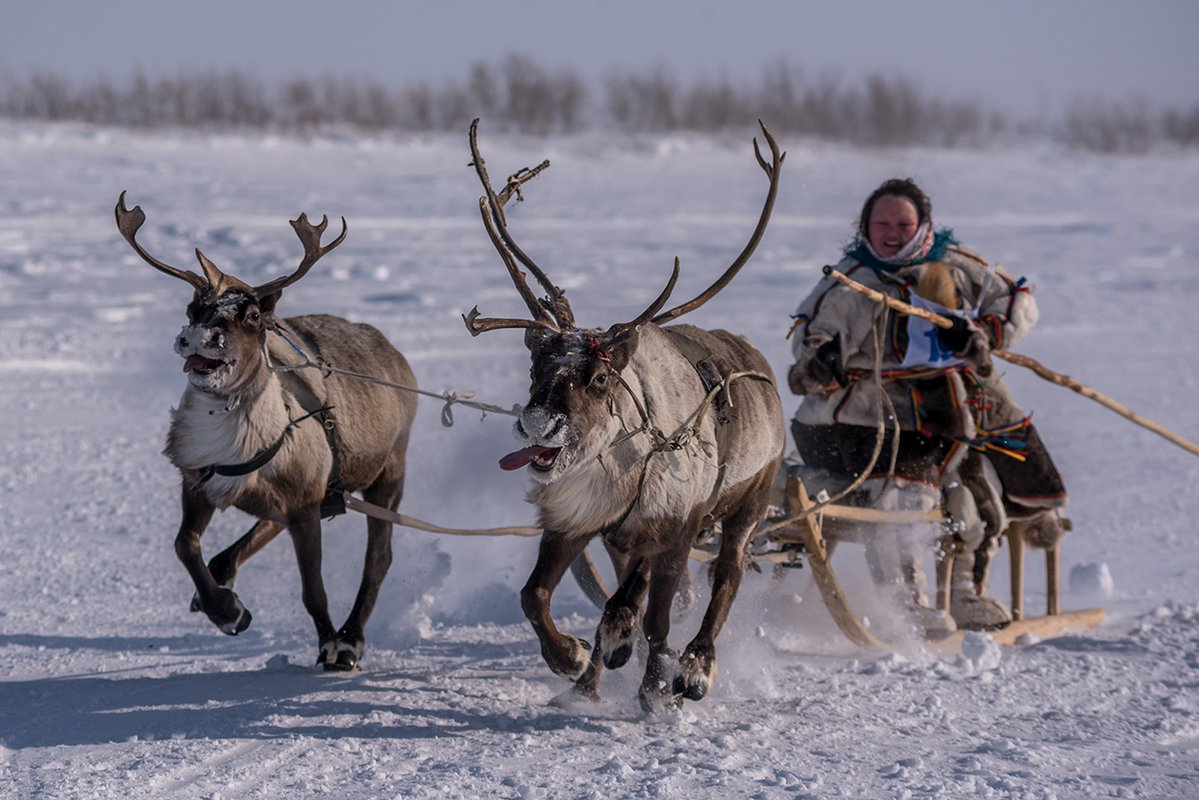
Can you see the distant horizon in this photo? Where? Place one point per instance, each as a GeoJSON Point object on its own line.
{"type": "Point", "coordinates": [1022, 57]}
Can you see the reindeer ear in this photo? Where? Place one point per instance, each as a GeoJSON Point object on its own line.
{"type": "Point", "coordinates": [267, 304]}
{"type": "Point", "coordinates": [623, 348]}
{"type": "Point", "coordinates": [534, 337]}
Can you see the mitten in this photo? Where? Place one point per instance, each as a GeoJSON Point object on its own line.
{"type": "Point", "coordinates": [826, 366]}
{"type": "Point", "coordinates": [956, 338]}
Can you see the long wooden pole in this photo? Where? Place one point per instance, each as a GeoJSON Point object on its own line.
{"type": "Point", "coordinates": [1024, 361]}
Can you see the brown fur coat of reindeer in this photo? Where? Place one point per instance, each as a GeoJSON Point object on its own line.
{"type": "Point", "coordinates": [273, 443]}
{"type": "Point", "coordinates": [642, 435]}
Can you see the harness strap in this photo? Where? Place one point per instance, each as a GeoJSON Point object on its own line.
{"type": "Point", "coordinates": [264, 456]}
{"type": "Point", "coordinates": [718, 399]}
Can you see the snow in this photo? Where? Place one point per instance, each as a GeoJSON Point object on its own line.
{"type": "Point", "coordinates": [110, 688]}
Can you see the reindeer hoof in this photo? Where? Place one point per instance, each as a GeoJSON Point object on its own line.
{"type": "Point", "coordinates": [195, 603]}
{"type": "Point", "coordinates": [339, 656]}
{"type": "Point", "coordinates": [618, 657]}
{"type": "Point", "coordinates": [240, 624]}
{"type": "Point", "coordinates": [571, 659]}
{"type": "Point", "coordinates": [618, 633]}
{"type": "Point", "coordinates": [574, 696]}
{"type": "Point", "coordinates": [657, 692]}
{"type": "Point", "coordinates": [657, 701]}
{"type": "Point", "coordinates": [696, 675]}
{"type": "Point", "coordinates": [227, 612]}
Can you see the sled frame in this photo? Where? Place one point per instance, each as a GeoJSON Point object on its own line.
{"type": "Point", "coordinates": [1053, 623]}
{"type": "Point", "coordinates": [809, 541]}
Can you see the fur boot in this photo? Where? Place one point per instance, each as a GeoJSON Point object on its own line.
{"type": "Point", "coordinates": [971, 502]}
{"type": "Point", "coordinates": [896, 553]}
{"type": "Point", "coordinates": [969, 605]}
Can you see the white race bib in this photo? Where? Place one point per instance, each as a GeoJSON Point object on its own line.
{"type": "Point", "coordinates": [924, 345]}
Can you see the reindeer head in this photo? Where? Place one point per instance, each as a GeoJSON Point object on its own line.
{"type": "Point", "coordinates": [580, 399]}
{"type": "Point", "coordinates": [227, 318]}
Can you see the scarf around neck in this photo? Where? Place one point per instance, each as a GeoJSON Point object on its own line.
{"type": "Point", "coordinates": [923, 247]}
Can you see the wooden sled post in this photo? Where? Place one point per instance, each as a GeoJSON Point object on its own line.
{"type": "Point", "coordinates": [1015, 543]}
{"type": "Point", "coordinates": [946, 554]}
{"type": "Point", "coordinates": [830, 588]}
{"type": "Point", "coordinates": [1053, 577]}
{"type": "Point", "coordinates": [1018, 541]}
{"type": "Point", "coordinates": [1055, 621]}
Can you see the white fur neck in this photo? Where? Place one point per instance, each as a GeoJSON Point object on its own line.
{"type": "Point", "coordinates": [592, 494]}
{"type": "Point", "coordinates": [606, 481]}
{"type": "Point", "coordinates": [208, 429]}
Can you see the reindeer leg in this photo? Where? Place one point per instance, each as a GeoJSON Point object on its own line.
{"type": "Point", "coordinates": [350, 643]}
{"type": "Point", "coordinates": [617, 631]}
{"type": "Point", "coordinates": [224, 565]}
{"type": "Point", "coordinates": [698, 662]}
{"type": "Point", "coordinates": [565, 655]}
{"type": "Point", "coordinates": [661, 667]}
{"type": "Point", "coordinates": [620, 561]}
{"type": "Point", "coordinates": [304, 525]}
{"type": "Point", "coordinates": [220, 604]}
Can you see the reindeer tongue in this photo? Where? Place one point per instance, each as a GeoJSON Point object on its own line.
{"type": "Point", "coordinates": [521, 457]}
{"type": "Point", "coordinates": [200, 363]}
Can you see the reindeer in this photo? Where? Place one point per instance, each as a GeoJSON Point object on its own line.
{"type": "Point", "coordinates": [274, 444]}
{"type": "Point", "coordinates": [642, 435]}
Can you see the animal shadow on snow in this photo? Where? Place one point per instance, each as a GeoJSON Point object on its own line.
{"type": "Point", "coordinates": [119, 707]}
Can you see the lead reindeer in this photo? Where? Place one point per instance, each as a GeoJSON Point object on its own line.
{"type": "Point", "coordinates": [273, 443]}
{"type": "Point", "coordinates": [642, 435]}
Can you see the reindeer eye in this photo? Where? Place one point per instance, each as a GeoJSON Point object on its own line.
{"type": "Point", "coordinates": [253, 316]}
{"type": "Point", "coordinates": [600, 379]}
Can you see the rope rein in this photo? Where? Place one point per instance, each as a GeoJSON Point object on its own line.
{"type": "Point", "coordinates": [451, 398]}
{"type": "Point", "coordinates": [679, 439]}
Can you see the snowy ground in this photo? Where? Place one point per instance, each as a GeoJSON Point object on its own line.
{"type": "Point", "coordinates": [110, 688]}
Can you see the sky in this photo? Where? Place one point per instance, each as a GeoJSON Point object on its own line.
{"type": "Point", "coordinates": [1024, 56]}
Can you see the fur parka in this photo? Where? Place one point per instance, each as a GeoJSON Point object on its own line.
{"type": "Point", "coordinates": [954, 399]}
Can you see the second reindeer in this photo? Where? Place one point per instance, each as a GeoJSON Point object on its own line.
{"type": "Point", "coordinates": [642, 435]}
{"type": "Point", "coordinates": [275, 443]}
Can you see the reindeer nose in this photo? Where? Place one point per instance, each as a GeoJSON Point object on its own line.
{"type": "Point", "coordinates": [537, 423]}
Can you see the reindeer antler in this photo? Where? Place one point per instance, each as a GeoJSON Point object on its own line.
{"type": "Point", "coordinates": [476, 324]}
{"type": "Point", "coordinates": [623, 329]}
{"type": "Point", "coordinates": [128, 222]}
{"type": "Point", "coordinates": [310, 237]}
{"type": "Point", "coordinates": [772, 171]}
{"type": "Point", "coordinates": [216, 281]}
{"type": "Point", "coordinates": [552, 313]}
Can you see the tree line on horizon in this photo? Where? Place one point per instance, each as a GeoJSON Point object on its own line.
{"type": "Point", "coordinates": [518, 94]}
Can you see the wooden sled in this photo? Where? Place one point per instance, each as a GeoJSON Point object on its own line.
{"type": "Point", "coordinates": [808, 541]}
{"type": "Point", "coordinates": [811, 533]}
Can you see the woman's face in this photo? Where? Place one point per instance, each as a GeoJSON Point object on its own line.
{"type": "Point", "coordinates": [892, 224]}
